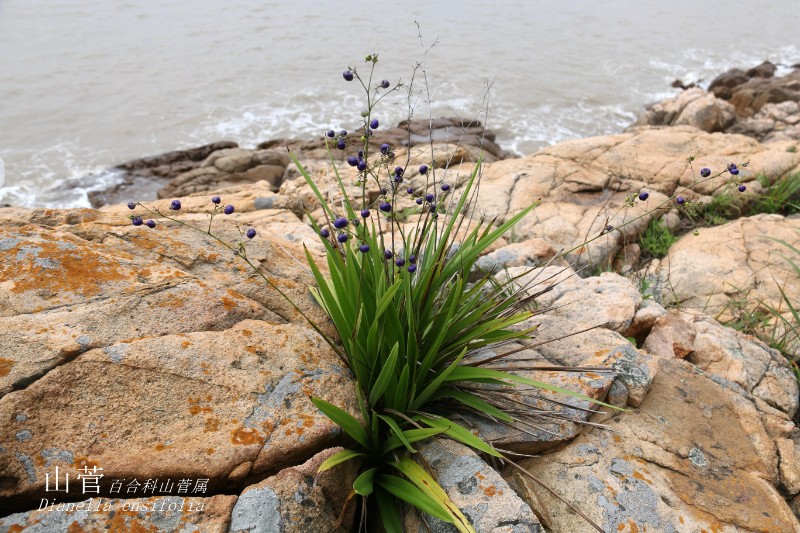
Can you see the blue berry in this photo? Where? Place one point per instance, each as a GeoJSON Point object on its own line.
{"type": "Point", "coordinates": [644, 195]}
{"type": "Point", "coordinates": [429, 197]}
{"type": "Point", "coordinates": [340, 223]}
{"type": "Point", "coordinates": [352, 160]}
{"type": "Point", "coordinates": [131, 205]}
{"type": "Point", "coordinates": [343, 133]}
{"type": "Point", "coordinates": [731, 166]}
{"type": "Point", "coordinates": [432, 208]}
{"type": "Point", "coordinates": [419, 201]}
{"type": "Point", "coordinates": [361, 166]}
{"type": "Point", "coordinates": [136, 221]}
{"type": "Point", "coordinates": [423, 169]}
{"type": "Point", "coordinates": [251, 233]}
{"type": "Point", "coordinates": [347, 75]}
{"type": "Point", "coordinates": [360, 154]}
{"type": "Point", "coordinates": [341, 145]}
{"type": "Point", "coordinates": [385, 84]}
{"type": "Point", "coordinates": [175, 205]}
{"type": "Point", "coordinates": [331, 134]}
{"type": "Point", "coordinates": [228, 209]}
{"type": "Point", "coordinates": [364, 248]}
{"type": "Point", "coordinates": [705, 172]}
{"type": "Point", "coordinates": [387, 254]}
{"type": "Point", "coordinates": [385, 148]}
{"type": "Point", "coordinates": [150, 223]}
{"type": "Point", "coordinates": [734, 171]}
{"type": "Point", "coordinates": [741, 188]}
{"type": "Point", "coordinates": [374, 124]}
{"type": "Point", "coordinates": [412, 259]}
{"type": "Point", "coordinates": [385, 207]}
{"type": "Point", "coordinates": [215, 200]}
{"type": "Point", "coordinates": [342, 237]}
{"type": "Point", "coordinates": [384, 191]}
{"type": "Point", "coordinates": [680, 200]}
{"type": "Point", "coordinates": [365, 213]}
{"type": "Point", "coordinates": [445, 187]}
{"type": "Point", "coordinates": [400, 262]}
{"type": "Point", "coordinates": [324, 233]}
{"type": "Point", "coordinates": [412, 268]}
{"type": "Point", "coordinates": [410, 190]}
{"type": "Point", "coordinates": [398, 171]}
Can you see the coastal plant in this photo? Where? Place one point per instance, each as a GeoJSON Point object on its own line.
{"type": "Point", "coordinates": [657, 239]}
{"type": "Point", "coordinates": [430, 346]}
{"type": "Point", "coordinates": [782, 197]}
{"type": "Point", "coordinates": [415, 331]}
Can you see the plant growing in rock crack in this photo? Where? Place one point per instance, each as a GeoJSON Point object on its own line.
{"type": "Point", "coordinates": [412, 328]}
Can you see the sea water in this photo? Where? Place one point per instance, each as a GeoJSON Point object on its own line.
{"type": "Point", "coordinates": [86, 84]}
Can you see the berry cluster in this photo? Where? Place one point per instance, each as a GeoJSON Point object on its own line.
{"type": "Point", "coordinates": [705, 173]}
{"type": "Point", "coordinates": [176, 206]}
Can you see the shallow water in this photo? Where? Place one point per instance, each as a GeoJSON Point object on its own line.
{"type": "Point", "coordinates": [89, 83]}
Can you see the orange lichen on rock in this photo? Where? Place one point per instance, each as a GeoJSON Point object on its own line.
{"type": "Point", "coordinates": [195, 408]}
{"type": "Point", "coordinates": [84, 462]}
{"type": "Point", "coordinates": [212, 424]}
{"type": "Point", "coordinates": [5, 366]}
{"type": "Point", "coordinates": [58, 265]}
{"type": "Point", "coordinates": [247, 436]}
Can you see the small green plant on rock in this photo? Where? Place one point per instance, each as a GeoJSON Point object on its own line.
{"type": "Point", "coordinates": [657, 239]}
{"type": "Point", "coordinates": [782, 197]}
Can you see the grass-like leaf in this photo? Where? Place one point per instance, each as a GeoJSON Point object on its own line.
{"type": "Point", "coordinates": [363, 483]}
{"type": "Point", "coordinates": [410, 493]}
{"type": "Point", "coordinates": [345, 420]}
{"type": "Point", "coordinates": [431, 488]}
{"type": "Point", "coordinates": [459, 433]}
{"type": "Point", "coordinates": [339, 458]}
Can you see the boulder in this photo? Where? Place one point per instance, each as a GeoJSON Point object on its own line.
{"type": "Point", "coordinates": [219, 405]}
{"type": "Point", "coordinates": [608, 300]}
{"type": "Point", "coordinates": [485, 498]}
{"type": "Point", "coordinates": [586, 185]}
{"type": "Point", "coordinates": [733, 269]}
{"type": "Point", "coordinates": [693, 107]}
{"type": "Point", "coordinates": [695, 456]}
{"type": "Point", "coordinates": [299, 499]}
{"type": "Point", "coordinates": [141, 178]}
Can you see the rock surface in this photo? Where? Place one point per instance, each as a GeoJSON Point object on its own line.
{"type": "Point", "coordinates": [223, 164]}
{"type": "Point", "coordinates": [755, 103]}
{"type": "Point", "coordinates": [479, 491]}
{"type": "Point", "coordinates": [689, 459]}
{"type": "Point", "coordinates": [298, 500]}
{"type": "Point", "coordinates": [583, 185]}
{"type": "Point", "coordinates": [216, 405]}
{"type": "Point", "coordinates": [732, 270]}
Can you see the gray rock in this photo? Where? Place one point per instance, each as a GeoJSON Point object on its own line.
{"type": "Point", "coordinates": [298, 500]}
{"type": "Point", "coordinates": [484, 497]}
